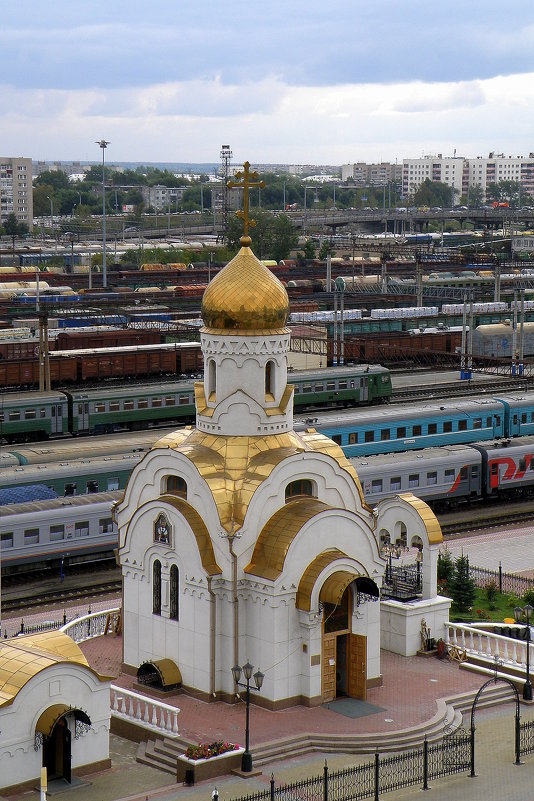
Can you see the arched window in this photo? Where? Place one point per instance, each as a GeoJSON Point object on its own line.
{"type": "Point", "coordinates": [269, 380]}
{"type": "Point", "coordinates": [156, 588]}
{"type": "Point", "coordinates": [300, 487]}
{"type": "Point", "coordinates": [173, 612]}
{"type": "Point", "coordinates": [176, 485]}
{"type": "Point", "coordinates": [212, 379]}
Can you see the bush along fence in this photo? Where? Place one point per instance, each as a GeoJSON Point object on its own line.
{"type": "Point", "coordinates": [382, 775]}
{"type": "Point", "coordinates": [504, 582]}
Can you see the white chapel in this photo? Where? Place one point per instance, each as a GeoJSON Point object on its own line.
{"type": "Point", "coordinates": [241, 540]}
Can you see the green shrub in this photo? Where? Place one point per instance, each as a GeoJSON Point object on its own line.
{"type": "Point", "coordinates": [491, 594]}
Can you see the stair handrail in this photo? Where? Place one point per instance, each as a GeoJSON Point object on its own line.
{"type": "Point", "coordinates": [143, 711]}
{"type": "Point", "coordinates": [481, 642]}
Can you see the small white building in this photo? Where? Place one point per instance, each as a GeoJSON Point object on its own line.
{"type": "Point", "coordinates": [240, 539]}
{"type": "Point", "coordinates": [54, 710]}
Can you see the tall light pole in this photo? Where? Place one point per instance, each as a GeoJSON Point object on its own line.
{"type": "Point", "coordinates": [103, 144]}
{"type": "Point", "coordinates": [246, 759]}
{"type": "Point", "coordinates": [518, 614]}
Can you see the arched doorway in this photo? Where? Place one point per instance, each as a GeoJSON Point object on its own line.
{"type": "Point", "coordinates": [54, 730]}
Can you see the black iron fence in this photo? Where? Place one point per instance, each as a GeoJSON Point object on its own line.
{"type": "Point", "coordinates": [526, 737]}
{"type": "Point", "coordinates": [402, 582]}
{"type": "Point", "coordinates": [384, 774]}
{"type": "Point", "coordinates": [505, 582]}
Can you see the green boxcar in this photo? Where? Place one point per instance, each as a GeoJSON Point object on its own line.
{"type": "Point", "coordinates": [32, 415]}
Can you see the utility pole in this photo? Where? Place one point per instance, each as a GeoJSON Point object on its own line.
{"type": "Point", "coordinates": [226, 157]}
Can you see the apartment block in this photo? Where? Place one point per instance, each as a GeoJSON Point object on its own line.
{"type": "Point", "coordinates": [364, 174]}
{"type": "Point", "coordinates": [448, 171]}
{"type": "Point", "coordinates": [16, 194]}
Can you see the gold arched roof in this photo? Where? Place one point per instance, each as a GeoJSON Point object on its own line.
{"type": "Point", "coordinates": [50, 717]}
{"type": "Point", "coordinates": [277, 535]}
{"type": "Point", "coordinates": [309, 577]}
{"type": "Point", "coordinates": [335, 585]}
{"type": "Point", "coordinates": [234, 467]}
{"type": "Point", "coordinates": [245, 297]}
{"type": "Point", "coordinates": [167, 670]}
{"type": "Point", "coordinates": [201, 533]}
{"type": "Point", "coordinates": [22, 658]}
{"type": "Point", "coordinates": [433, 528]}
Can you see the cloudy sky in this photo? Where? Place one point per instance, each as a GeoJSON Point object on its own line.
{"type": "Point", "coordinates": [278, 80]}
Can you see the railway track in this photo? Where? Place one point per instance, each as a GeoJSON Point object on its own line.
{"type": "Point", "coordinates": [22, 599]}
{"type": "Point", "coordinates": [447, 391]}
{"type": "Point", "coordinates": [478, 519]}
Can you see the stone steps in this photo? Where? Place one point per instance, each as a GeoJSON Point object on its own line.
{"type": "Point", "coordinates": [161, 753]}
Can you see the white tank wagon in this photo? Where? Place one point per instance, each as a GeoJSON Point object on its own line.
{"type": "Point", "coordinates": [495, 341]}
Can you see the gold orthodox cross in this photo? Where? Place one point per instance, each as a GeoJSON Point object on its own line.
{"type": "Point", "coordinates": [245, 179]}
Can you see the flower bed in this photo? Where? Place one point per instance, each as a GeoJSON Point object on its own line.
{"type": "Point", "coordinates": [205, 761]}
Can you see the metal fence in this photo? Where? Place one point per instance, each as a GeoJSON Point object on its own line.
{"type": "Point", "coordinates": [526, 737]}
{"type": "Point", "coordinates": [505, 582]}
{"type": "Point", "coordinates": [384, 774]}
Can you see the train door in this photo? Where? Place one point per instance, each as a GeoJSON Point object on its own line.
{"type": "Point", "coordinates": [494, 475]}
{"type": "Point", "coordinates": [56, 412]}
{"type": "Point", "coordinates": [83, 415]}
{"type": "Point", "coordinates": [364, 388]}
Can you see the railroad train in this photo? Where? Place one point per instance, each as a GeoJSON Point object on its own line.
{"type": "Point", "coordinates": [60, 530]}
{"type": "Point", "coordinates": [447, 476]}
{"type": "Point", "coordinates": [414, 426]}
{"type": "Point", "coordinates": [34, 415]}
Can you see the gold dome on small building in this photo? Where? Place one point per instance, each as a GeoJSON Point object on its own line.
{"type": "Point", "coordinates": [245, 297]}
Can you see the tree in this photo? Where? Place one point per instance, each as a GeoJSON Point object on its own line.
{"type": "Point", "coordinates": [56, 179]}
{"type": "Point", "coordinates": [324, 250]}
{"type": "Point", "coordinates": [284, 238]}
{"type": "Point", "coordinates": [14, 228]}
{"type": "Point", "coordinates": [308, 251]}
{"type": "Point", "coordinates": [475, 196]}
{"type": "Point", "coordinates": [434, 193]}
{"type": "Point", "coordinates": [461, 585]}
{"type": "Point", "coordinates": [445, 566]}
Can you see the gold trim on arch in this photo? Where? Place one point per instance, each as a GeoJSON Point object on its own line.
{"type": "Point", "coordinates": [309, 577]}
{"type": "Point", "coordinates": [433, 528]}
{"type": "Point", "coordinates": [335, 585]}
{"type": "Point", "coordinates": [201, 533]}
{"type": "Point", "coordinates": [277, 535]}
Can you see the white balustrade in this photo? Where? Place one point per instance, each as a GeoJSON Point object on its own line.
{"type": "Point", "coordinates": [143, 711]}
{"type": "Point", "coordinates": [89, 626]}
{"type": "Point", "coordinates": [484, 642]}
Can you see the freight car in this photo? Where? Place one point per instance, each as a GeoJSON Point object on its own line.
{"type": "Point", "coordinates": [57, 531]}
{"type": "Point", "coordinates": [497, 341]}
{"type": "Point", "coordinates": [444, 477]}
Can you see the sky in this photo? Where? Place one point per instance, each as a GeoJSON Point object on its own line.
{"type": "Point", "coordinates": [280, 81]}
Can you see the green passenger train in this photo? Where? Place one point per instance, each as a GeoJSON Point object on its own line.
{"type": "Point", "coordinates": [26, 416]}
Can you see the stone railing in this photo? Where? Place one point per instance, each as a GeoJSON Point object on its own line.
{"type": "Point", "coordinates": [92, 625]}
{"type": "Point", "coordinates": [140, 710]}
{"type": "Point", "coordinates": [484, 643]}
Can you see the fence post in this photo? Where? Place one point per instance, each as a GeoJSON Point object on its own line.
{"type": "Point", "coordinates": [500, 577]}
{"type": "Point", "coordinates": [377, 765]}
{"type": "Point", "coordinates": [425, 764]}
{"type": "Point", "coordinates": [272, 786]}
{"type": "Point", "coordinates": [473, 774]}
{"type": "Point", "coordinates": [517, 741]}
{"type": "Point", "coordinates": [325, 781]}
{"type": "Point", "coordinates": [22, 625]}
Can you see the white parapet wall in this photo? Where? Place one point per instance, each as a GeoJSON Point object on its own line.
{"type": "Point", "coordinates": [400, 623]}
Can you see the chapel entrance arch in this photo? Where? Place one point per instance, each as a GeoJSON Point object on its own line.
{"type": "Point", "coordinates": [53, 729]}
{"type": "Point", "coordinates": [344, 654]}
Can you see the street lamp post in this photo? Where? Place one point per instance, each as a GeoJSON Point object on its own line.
{"type": "Point", "coordinates": [103, 145]}
{"type": "Point", "coordinates": [518, 614]}
{"type": "Point", "coordinates": [246, 759]}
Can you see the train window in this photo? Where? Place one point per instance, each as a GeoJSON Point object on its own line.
{"type": "Point", "coordinates": [170, 401]}
{"type": "Point", "coordinates": [100, 407]}
{"type": "Point", "coordinates": [173, 595]}
{"type": "Point", "coordinates": [183, 400]}
{"type": "Point", "coordinates": [297, 389]}
{"type": "Point", "coordinates": [395, 483]}
{"type": "Point", "coordinates": [142, 403]}
{"type": "Point", "coordinates": [70, 489]}
{"type": "Point", "coordinates": [81, 529]}
{"type": "Point", "coordinates": [353, 438]}
{"type": "Point", "coordinates": [447, 426]}
{"type": "Point", "coordinates": [369, 436]}
{"type": "Point", "coordinates": [14, 416]}
{"type": "Point", "coordinates": [523, 418]}
{"type": "Point", "coordinates": [300, 487]}
{"type": "Point", "coordinates": [401, 432]}
{"type": "Point", "coordinates": [376, 485]}
{"type": "Point", "coordinates": [176, 485]}
{"type": "Point", "coordinates": [6, 540]}
{"type": "Point", "coordinates": [114, 406]}
{"type": "Point", "coordinates": [522, 464]}
{"type": "Point", "coordinates": [463, 474]}
{"type": "Point", "coordinates": [307, 388]}
{"type": "Point", "coordinates": [59, 411]}
{"type": "Point", "coordinates": [105, 526]}
{"type": "Point", "coordinates": [352, 384]}
{"type": "Point", "coordinates": [432, 428]}
{"type": "Point", "coordinates": [30, 414]}
{"type": "Point", "coordinates": [384, 435]}
{"type": "Point", "coordinates": [330, 386]}
{"type": "Point", "coordinates": [417, 431]}
{"type": "Point", "coordinates": [318, 387]}
{"type": "Point", "coordinates": [53, 410]}
{"type": "Point", "coordinates": [514, 419]}
{"type": "Point", "coordinates": [1, 417]}
{"type": "Point", "coordinates": [462, 425]}
{"type": "Point", "coordinates": [431, 479]}
{"type": "Point", "coordinates": [156, 402]}
{"type": "Point", "coordinates": [474, 471]}
{"type": "Point", "coordinates": [477, 422]}
{"type": "Point", "coordinates": [498, 419]}
{"type": "Point", "coordinates": [57, 533]}
{"type": "Point", "coordinates": [449, 475]}
{"type": "Point", "coordinates": [31, 536]}
{"type": "Point", "coordinates": [127, 405]}
{"type": "Point", "coordinates": [156, 588]}
{"type": "Point", "coordinates": [113, 483]}
{"type": "Point", "coordinates": [488, 422]}
{"type": "Point", "coordinates": [413, 480]}
{"type": "Point", "coordinates": [42, 413]}
{"type": "Point", "coordinates": [337, 439]}
{"type": "Point", "coordinates": [342, 385]}
{"type": "Point", "coordinates": [92, 486]}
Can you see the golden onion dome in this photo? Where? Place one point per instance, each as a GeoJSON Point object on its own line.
{"type": "Point", "coordinates": [245, 296]}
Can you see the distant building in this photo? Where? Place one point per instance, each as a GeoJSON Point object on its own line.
{"type": "Point", "coordinates": [16, 189]}
{"type": "Point", "coordinates": [364, 174]}
{"type": "Point", "coordinates": [448, 171]}
{"type": "Point", "coordinates": [497, 167]}
{"type": "Point", "coordinates": [161, 198]}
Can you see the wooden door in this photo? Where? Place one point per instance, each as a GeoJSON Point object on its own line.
{"type": "Point", "coordinates": [357, 666]}
{"type": "Point", "coordinates": [328, 689]}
